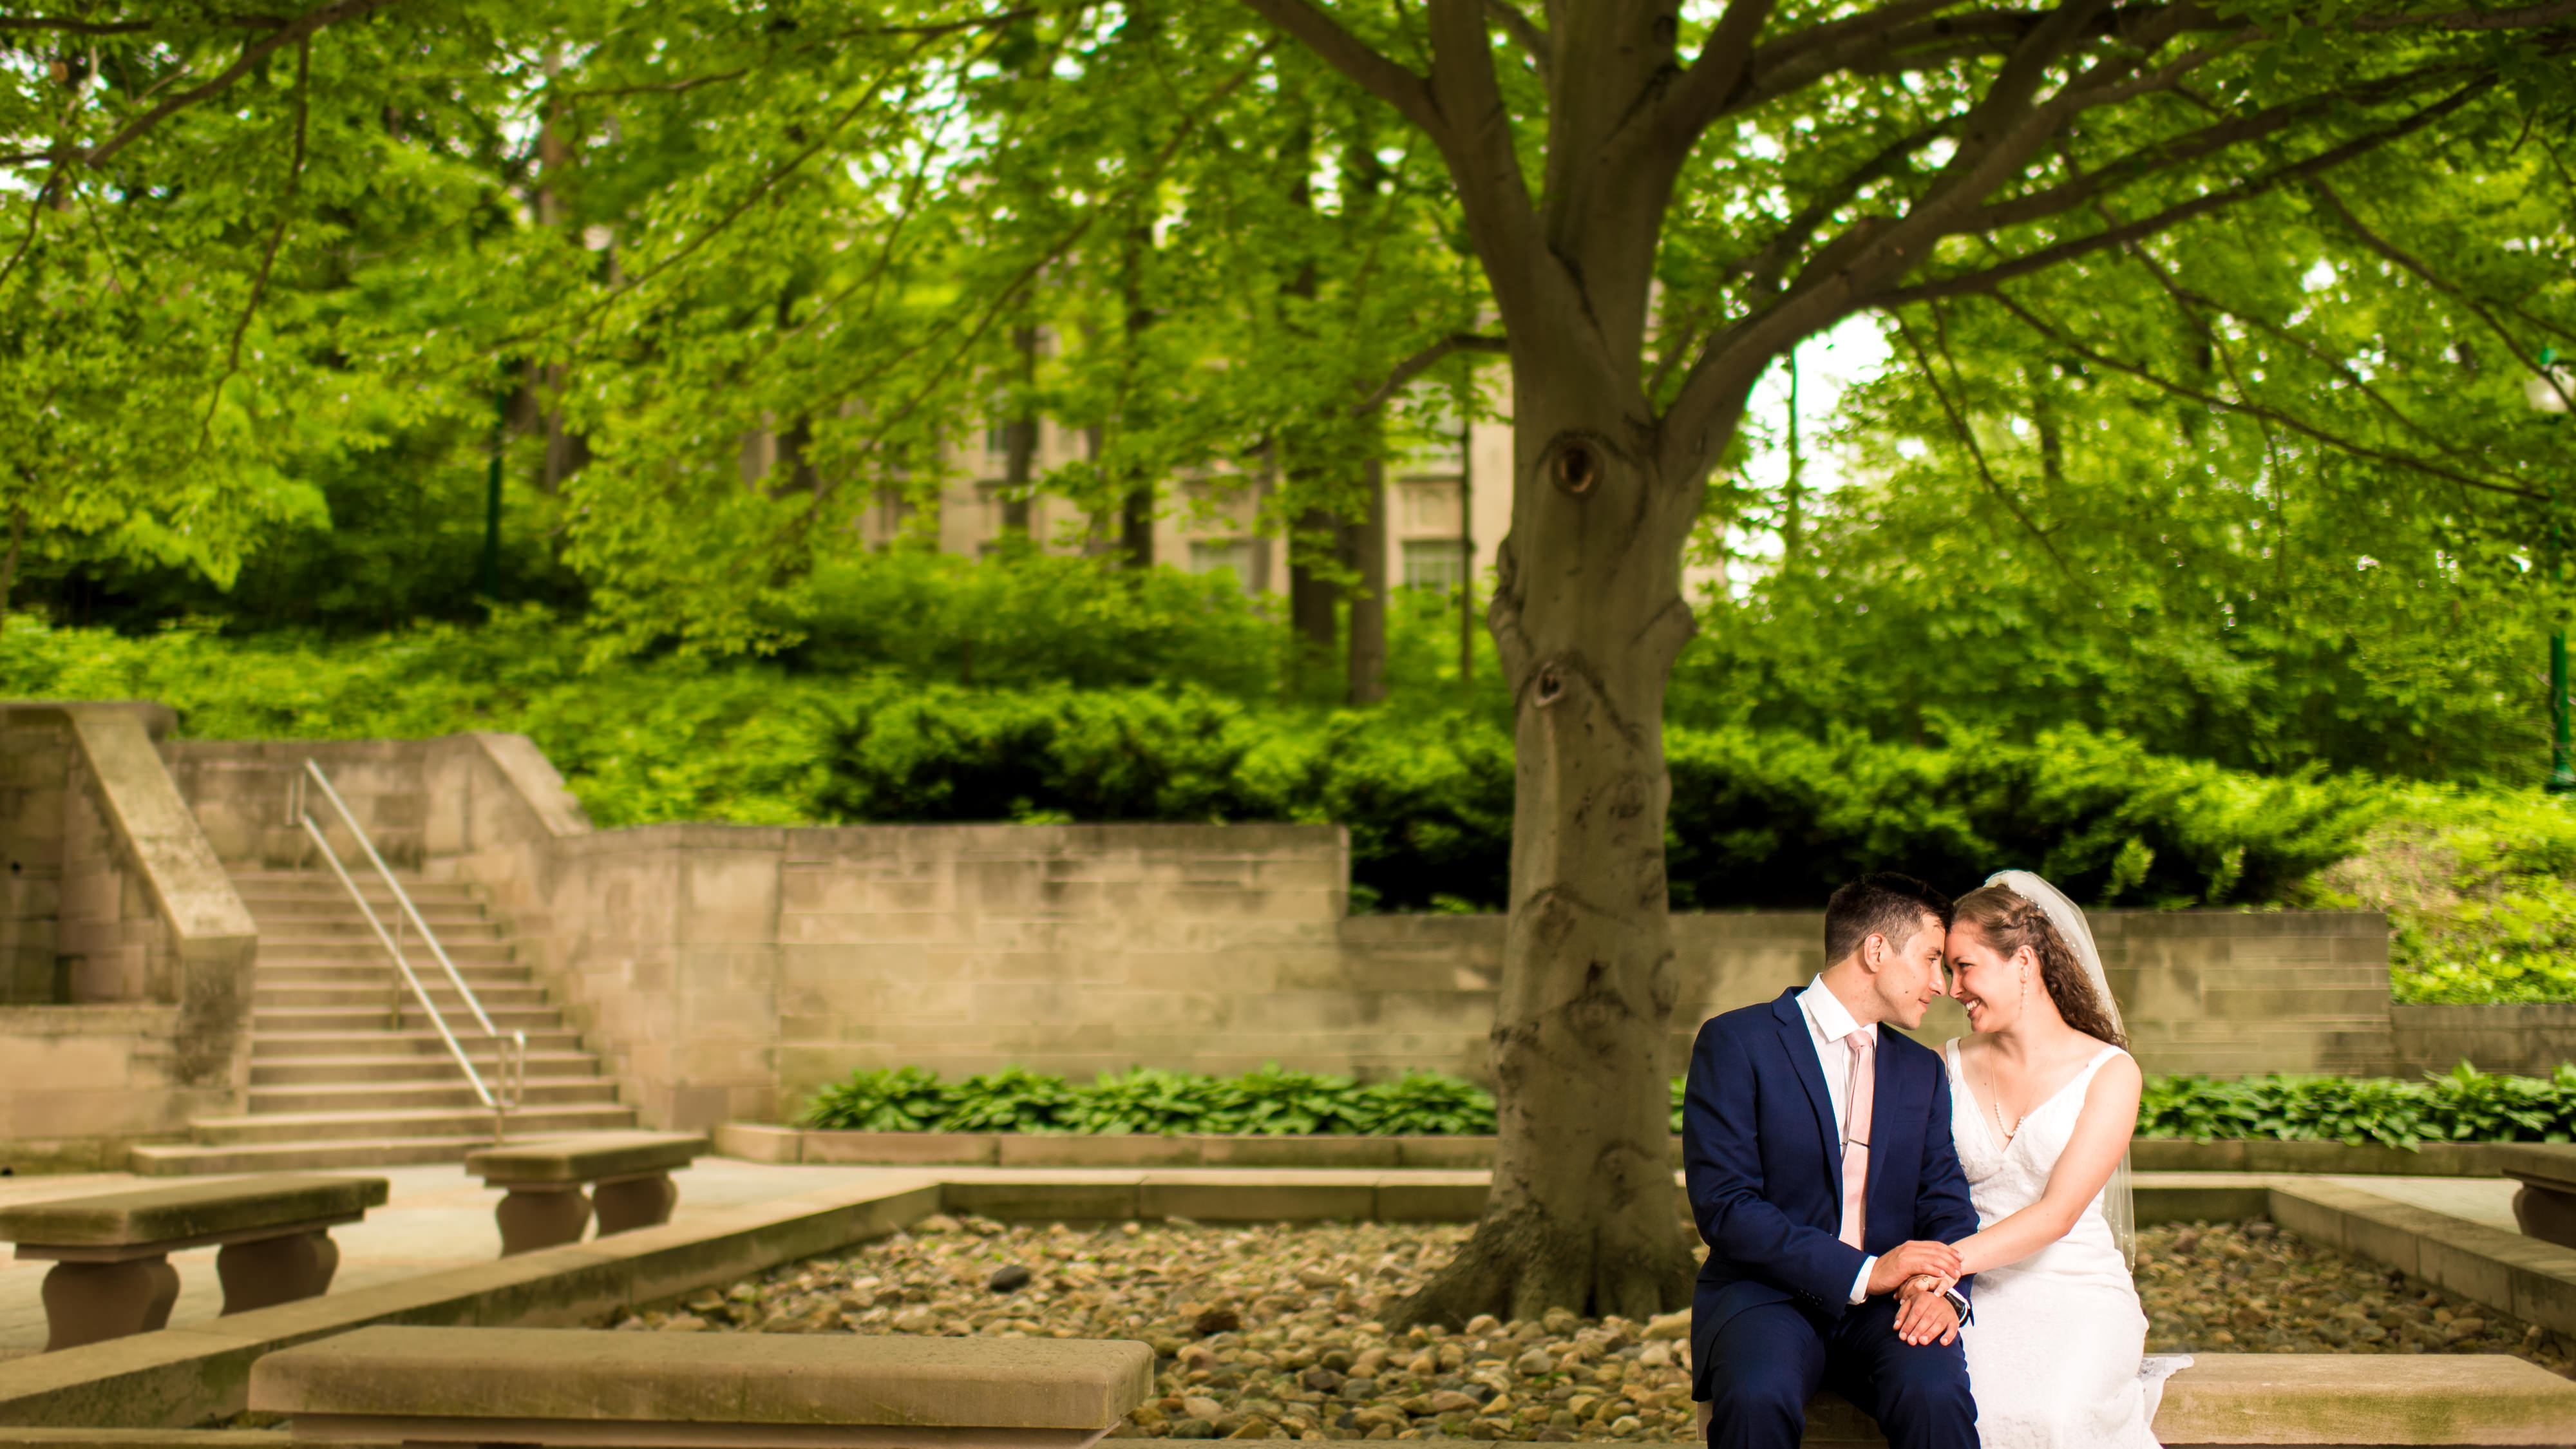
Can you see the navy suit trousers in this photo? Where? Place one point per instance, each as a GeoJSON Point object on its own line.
{"type": "Point", "coordinates": [1768, 1361]}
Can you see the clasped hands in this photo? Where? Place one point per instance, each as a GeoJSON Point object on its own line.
{"type": "Point", "coordinates": [1920, 1273]}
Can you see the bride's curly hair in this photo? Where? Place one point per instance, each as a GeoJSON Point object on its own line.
{"type": "Point", "coordinates": [2009, 921]}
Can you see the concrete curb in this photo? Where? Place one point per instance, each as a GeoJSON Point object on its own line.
{"type": "Point", "coordinates": [2532, 1280]}
{"type": "Point", "coordinates": [762, 1142]}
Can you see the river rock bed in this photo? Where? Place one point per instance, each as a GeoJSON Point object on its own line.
{"type": "Point", "coordinates": [1270, 1332]}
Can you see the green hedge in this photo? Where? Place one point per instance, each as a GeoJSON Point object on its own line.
{"type": "Point", "coordinates": [2462, 1106]}
{"type": "Point", "coordinates": [1269, 1103]}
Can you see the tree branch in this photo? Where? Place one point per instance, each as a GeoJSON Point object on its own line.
{"type": "Point", "coordinates": [2253, 409]}
{"type": "Point", "coordinates": [2402, 258]}
{"type": "Point", "coordinates": [69, 26]}
{"type": "Point", "coordinates": [1524, 32]}
{"type": "Point", "coordinates": [1968, 436]}
{"type": "Point", "coordinates": [2530, 17]}
{"type": "Point", "coordinates": [293, 32]}
{"type": "Point", "coordinates": [1716, 72]}
{"type": "Point", "coordinates": [2154, 160]}
{"type": "Point", "coordinates": [1422, 362]}
{"type": "Point", "coordinates": [276, 234]}
{"type": "Point", "coordinates": [2175, 215]}
{"type": "Point", "coordinates": [1308, 25]}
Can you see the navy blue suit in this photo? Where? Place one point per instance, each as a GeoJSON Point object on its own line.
{"type": "Point", "coordinates": [1771, 1321]}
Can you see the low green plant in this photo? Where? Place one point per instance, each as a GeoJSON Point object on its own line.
{"type": "Point", "coordinates": [887, 1099]}
{"type": "Point", "coordinates": [2462, 1105]}
{"type": "Point", "coordinates": [1152, 1100]}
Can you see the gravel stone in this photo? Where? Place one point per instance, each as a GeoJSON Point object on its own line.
{"type": "Point", "coordinates": [1272, 1332]}
{"type": "Point", "coordinates": [1008, 1278]}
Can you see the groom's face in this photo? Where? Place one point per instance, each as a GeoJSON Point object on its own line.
{"type": "Point", "coordinates": [1908, 977]}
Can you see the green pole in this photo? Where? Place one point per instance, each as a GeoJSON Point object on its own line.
{"type": "Point", "coordinates": [501, 434]}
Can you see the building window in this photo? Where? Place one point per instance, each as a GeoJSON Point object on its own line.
{"type": "Point", "coordinates": [1434, 563]}
{"type": "Point", "coordinates": [1233, 557]}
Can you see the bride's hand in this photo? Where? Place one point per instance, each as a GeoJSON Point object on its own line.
{"type": "Point", "coordinates": [1924, 1312]}
{"type": "Point", "coordinates": [1910, 1259]}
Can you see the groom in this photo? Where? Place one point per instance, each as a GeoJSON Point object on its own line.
{"type": "Point", "coordinates": [1817, 1150]}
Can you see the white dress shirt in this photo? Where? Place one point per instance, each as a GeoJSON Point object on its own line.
{"type": "Point", "coordinates": [1828, 1022]}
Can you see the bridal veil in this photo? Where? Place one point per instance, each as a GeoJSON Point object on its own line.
{"type": "Point", "coordinates": [2119, 1199]}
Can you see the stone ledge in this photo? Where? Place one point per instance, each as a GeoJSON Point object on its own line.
{"type": "Point", "coordinates": [2331, 1401]}
{"type": "Point", "coordinates": [2530, 1279]}
{"type": "Point", "coordinates": [764, 1142]}
{"type": "Point", "coordinates": [721, 1382]}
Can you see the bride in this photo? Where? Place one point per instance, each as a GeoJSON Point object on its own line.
{"type": "Point", "coordinates": [2043, 1100]}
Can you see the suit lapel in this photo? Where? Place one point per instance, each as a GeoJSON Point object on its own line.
{"type": "Point", "coordinates": [1800, 1044]}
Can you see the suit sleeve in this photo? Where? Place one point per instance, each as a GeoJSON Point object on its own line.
{"type": "Point", "coordinates": [1722, 1168]}
{"type": "Point", "coordinates": [1943, 1208]}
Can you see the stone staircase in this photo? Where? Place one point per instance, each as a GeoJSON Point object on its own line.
{"type": "Point", "coordinates": [334, 1083]}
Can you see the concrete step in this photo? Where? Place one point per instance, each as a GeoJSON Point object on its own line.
{"type": "Point", "coordinates": [188, 1159]}
{"type": "Point", "coordinates": [269, 996]}
{"type": "Point", "coordinates": [283, 915]}
{"type": "Point", "coordinates": [335, 1070]}
{"type": "Point", "coordinates": [380, 972]}
{"type": "Point", "coordinates": [330, 930]}
{"type": "Point", "coordinates": [416, 1040]}
{"type": "Point", "coordinates": [275, 1127]}
{"type": "Point", "coordinates": [361, 950]}
{"type": "Point", "coordinates": [321, 885]}
{"type": "Point", "coordinates": [456, 1094]}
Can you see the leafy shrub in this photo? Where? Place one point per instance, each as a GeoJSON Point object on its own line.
{"type": "Point", "coordinates": [2463, 1105]}
{"type": "Point", "coordinates": [889, 1099]}
{"type": "Point", "coordinates": [2478, 893]}
{"type": "Point", "coordinates": [1150, 1100]}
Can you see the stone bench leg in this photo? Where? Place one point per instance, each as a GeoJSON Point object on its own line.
{"type": "Point", "coordinates": [541, 1217]}
{"type": "Point", "coordinates": [92, 1302]}
{"type": "Point", "coordinates": [2546, 1214]}
{"type": "Point", "coordinates": [628, 1203]}
{"type": "Point", "coordinates": [276, 1270]}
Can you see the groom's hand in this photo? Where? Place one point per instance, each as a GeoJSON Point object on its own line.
{"type": "Point", "coordinates": [1924, 1312]}
{"type": "Point", "coordinates": [1907, 1260]}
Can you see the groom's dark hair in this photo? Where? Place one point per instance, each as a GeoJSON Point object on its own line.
{"type": "Point", "coordinates": [1882, 904]}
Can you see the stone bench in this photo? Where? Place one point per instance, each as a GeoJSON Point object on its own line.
{"type": "Point", "coordinates": [2545, 1208]}
{"type": "Point", "coordinates": [2358, 1401]}
{"type": "Point", "coordinates": [628, 1174]}
{"type": "Point", "coordinates": [597, 1387]}
{"type": "Point", "coordinates": [112, 1273]}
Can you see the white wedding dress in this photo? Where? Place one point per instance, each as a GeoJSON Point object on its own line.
{"type": "Point", "coordinates": [2055, 1350]}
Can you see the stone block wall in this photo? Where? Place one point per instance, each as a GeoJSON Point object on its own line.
{"type": "Point", "coordinates": [727, 972]}
{"type": "Point", "coordinates": [2528, 1039]}
{"type": "Point", "coordinates": [240, 791]}
{"type": "Point", "coordinates": [126, 953]}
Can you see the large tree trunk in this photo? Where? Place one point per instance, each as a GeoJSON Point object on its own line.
{"type": "Point", "coordinates": [1364, 550]}
{"type": "Point", "coordinates": [1589, 615]}
{"type": "Point", "coordinates": [1314, 598]}
{"type": "Point", "coordinates": [1020, 437]}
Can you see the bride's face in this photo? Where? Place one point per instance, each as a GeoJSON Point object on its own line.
{"type": "Point", "coordinates": [1986, 982]}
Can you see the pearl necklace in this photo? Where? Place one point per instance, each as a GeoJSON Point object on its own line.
{"type": "Point", "coordinates": [1997, 1107]}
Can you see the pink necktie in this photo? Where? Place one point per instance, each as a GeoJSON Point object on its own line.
{"type": "Point", "coordinates": [1858, 1099]}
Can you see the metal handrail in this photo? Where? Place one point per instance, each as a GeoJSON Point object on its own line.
{"type": "Point", "coordinates": [513, 1048]}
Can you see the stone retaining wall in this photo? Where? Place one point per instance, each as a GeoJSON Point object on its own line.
{"type": "Point", "coordinates": [729, 971]}
{"type": "Point", "coordinates": [2531, 1039]}
{"type": "Point", "coordinates": [125, 954]}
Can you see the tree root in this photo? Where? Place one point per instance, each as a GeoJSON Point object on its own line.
{"type": "Point", "coordinates": [1520, 1264]}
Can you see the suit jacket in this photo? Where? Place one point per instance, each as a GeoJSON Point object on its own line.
{"type": "Point", "coordinates": [1763, 1162]}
